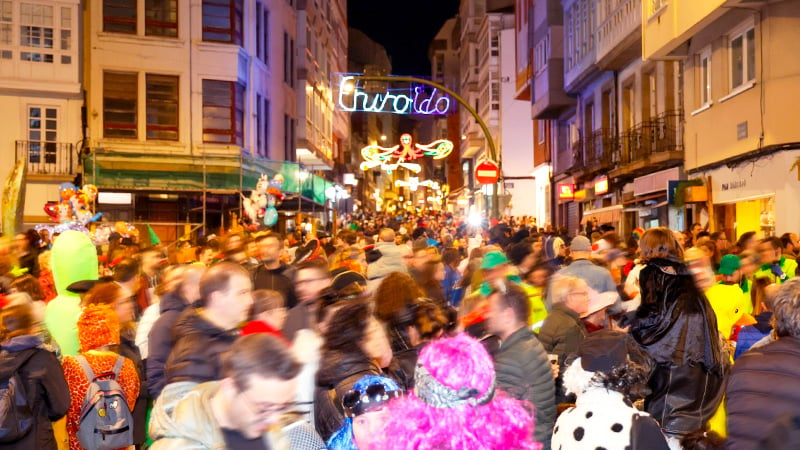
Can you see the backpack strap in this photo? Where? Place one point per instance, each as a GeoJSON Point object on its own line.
{"type": "Point", "coordinates": [118, 367]}
{"type": "Point", "coordinates": [87, 369]}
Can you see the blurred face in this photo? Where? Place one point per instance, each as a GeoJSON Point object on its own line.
{"type": "Point", "coordinates": [680, 238]}
{"type": "Point", "coordinates": [233, 304]}
{"type": "Point", "coordinates": [578, 299]}
{"type": "Point", "coordinates": [538, 278]}
{"type": "Point", "coordinates": [310, 283]}
{"type": "Point", "coordinates": [206, 256]}
{"type": "Point", "coordinates": [269, 250]}
{"type": "Point", "coordinates": [439, 273]}
{"type": "Point", "coordinates": [722, 242]}
{"type": "Point", "coordinates": [21, 242]}
{"type": "Point", "coordinates": [368, 429]}
{"type": "Point", "coordinates": [732, 278]}
{"type": "Point", "coordinates": [150, 260]}
{"type": "Point", "coordinates": [496, 318]}
{"type": "Point", "coordinates": [123, 306]}
{"type": "Point", "coordinates": [251, 413]}
{"type": "Point", "coordinates": [748, 267]}
{"type": "Point", "coordinates": [768, 253]}
{"type": "Point", "coordinates": [274, 317]}
{"type": "Point", "coordinates": [495, 273]}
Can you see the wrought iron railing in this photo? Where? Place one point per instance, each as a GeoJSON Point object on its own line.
{"type": "Point", "coordinates": [599, 148]}
{"type": "Point", "coordinates": [659, 135]}
{"type": "Point", "coordinates": [47, 158]}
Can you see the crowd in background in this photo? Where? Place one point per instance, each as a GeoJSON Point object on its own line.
{"type": "Point", "coordinates": [404, 331]}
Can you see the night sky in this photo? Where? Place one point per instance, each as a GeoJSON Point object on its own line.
{"type": "Point", "coordinates": [404, 27]}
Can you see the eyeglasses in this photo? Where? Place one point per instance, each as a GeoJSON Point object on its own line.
{"type": "Point", "coordinates": [264, 409]}
{"type": "Point", "coordinates": [357, 402]}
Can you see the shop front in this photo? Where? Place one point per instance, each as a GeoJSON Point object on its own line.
{"type": "Point", "coordinates": [757, 195]}
{"type": "Point", "coordinates": [649, 206]}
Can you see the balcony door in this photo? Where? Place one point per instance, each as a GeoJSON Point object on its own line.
{"type": "Point", "coordinates": [42, 137]}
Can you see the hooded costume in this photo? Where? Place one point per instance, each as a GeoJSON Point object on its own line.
{"type": "Point", "coordinates": [74, 258]}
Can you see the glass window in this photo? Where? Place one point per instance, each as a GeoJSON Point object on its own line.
{"type": "Point", "coordinates": [742, 58]}
{"type": "Point", "coordinates": [222, 21]}
{"type": "Point", "coordinates": [162, 106]}
{"type": "Point", "coordinates": [120, 95]}
{"type": "Point", "coordinates": [705, 77]}
{"type": "Point", "coordinates": [42, 135]}
{"type": "Point", "coordinates": [161, 18]}
{"type": "Point", "coordinates": [6, 29]}
{"type": "Point", "coordinates": [119, 16]}
{"type": "Point", "coordinates": [223, 112]}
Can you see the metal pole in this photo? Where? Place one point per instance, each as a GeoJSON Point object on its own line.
{"type": "Point", "coordinates": [462, 102]}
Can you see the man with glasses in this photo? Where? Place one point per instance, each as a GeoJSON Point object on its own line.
{"type": "Point", "coordinates": [312, 282]}
{"type": "Point", "coordinates": [258, 385]}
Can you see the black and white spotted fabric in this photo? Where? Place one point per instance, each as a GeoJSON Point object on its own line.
{"type": "Point", "coordinates": [604, 420]}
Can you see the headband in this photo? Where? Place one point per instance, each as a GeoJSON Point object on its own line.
{"type": "Point", "coordinates": [434, 393]}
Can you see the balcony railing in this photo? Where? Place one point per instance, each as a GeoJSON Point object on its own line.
{"type": "Point", "coordinates": [660, 135]}
{"type": "Point", "coordinates": [47, 158]}
{"type": "Point", "coordinates": [599, 149]}
{"type": "Point", "coordinates": [578, 162]}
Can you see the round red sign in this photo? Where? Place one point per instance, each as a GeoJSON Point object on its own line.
{"type": "Point", "coordinates": [487, 172]}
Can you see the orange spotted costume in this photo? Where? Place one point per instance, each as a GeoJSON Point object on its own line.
{"type": "Point", "coordinates": [98, 327]}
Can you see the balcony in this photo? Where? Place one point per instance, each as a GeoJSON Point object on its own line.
{"type": "Point", "coordinates": [656, 143]}
{"type": "Point", "coordinates": [578, 162]}
{"type": "Point", "coordinates": [48, 158]}
{"type": "Point", "coordinates": [599, 149]}
{"type": "Point", "coordinates": [619, 35]}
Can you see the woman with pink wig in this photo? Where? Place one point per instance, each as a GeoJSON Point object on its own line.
{"type": "Point", "coordinates": [455, 404]}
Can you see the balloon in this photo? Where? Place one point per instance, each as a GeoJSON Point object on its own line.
{"type": "Point", "coordinates": [270, 216]}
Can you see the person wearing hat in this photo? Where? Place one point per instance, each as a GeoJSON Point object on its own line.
{"type": "Point", "coordinates": [609, 372]}
{"type": "Point", "coordinates": [365, 411]}
{"type": "Point", "coordinates": [596, 277]}
{"type": "Point", "coordinates": [727, 299]}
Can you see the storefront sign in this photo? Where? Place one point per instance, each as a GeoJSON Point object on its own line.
{"type": "Point", "coordinates": [733, 185]}
{"type": "Point", "coordinates": [566, 191]}
{"type": "Point", "coordinates": [580, 195]}
{"type": "Point", "coordinates": [601, 186]}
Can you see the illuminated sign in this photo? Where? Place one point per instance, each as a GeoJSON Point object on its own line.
{"type": "Point", "coordinates": [416, 99]}
{"type": "Point", "coordinates": [566, 191]}
{"type": "Point", "coordinates": [580, 195]}
{"type": "Point", "coordinates": [391, 158]}
{"type": "Point", "coordinates": [601, 186]}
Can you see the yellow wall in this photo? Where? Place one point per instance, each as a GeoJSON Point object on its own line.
{"type": "Point", "coordinates": [747, 216]}
{"type": "Point", "coordinates": [677, 20]}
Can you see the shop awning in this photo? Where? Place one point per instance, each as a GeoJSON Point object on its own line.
{"type": "Point", "coordinates": [608, 214]}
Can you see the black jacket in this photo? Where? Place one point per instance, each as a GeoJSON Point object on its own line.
{"type": "Point", "coordinates": [762, 387]}
{"type": "Point", "coordinates": [677, 327]}
{"type": "Point", "coordinates": [159, 341]}
{"type": "Point", "coordinates": [403, 367]}
{"type": "Point", "coordinates": [128, 349]}
{"type": "Point", "coordinates": [198, 347]}
{"type": "Point", "coordinates": [280, 279]}
{"type": "Point", "coordinates": [45, 388]}
{"type": "Point", "coordinates": [523, 372]}
{"type": "Point", "coordinates": [337, 374]}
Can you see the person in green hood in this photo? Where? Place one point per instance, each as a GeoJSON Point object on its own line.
{"type": "Point", "coordinates": [74, 258]}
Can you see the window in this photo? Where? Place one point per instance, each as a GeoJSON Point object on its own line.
{"type": "Point", "coordinates": [119, 16]}
{"type": "Point", "coordinates": [223, 112]}
{"type": "Point", "coordinates": [743, 57]}
{"type": "Point", "coordinates": [162, 106]}
{"type": "Point", "coordinates": [262, 33]}
{"type": "Point", "coordinates": [540, 132]}
{"type": "Point", "coordinates": [120, 94]}
{"type": "Point", "coordinates": [288, 59]}
{"type": "Point", "coordinates": [42, 135]}
{"type": "Point", "coordinates": [66, 33]}
{"type": "Point", "coordinates": [36, 32]}
{"type": "Point", "coordinates": [161, 18]}
{"type": "Point", "coordinates": [655, 6]}
{"type": "Point", "coordinates": [288, 138]}
{"type": "Point", "coordinates": [222, 21]}
{"type": "Point", "coordinates": [262, 126]}
{"type": "Point", "coordinates": [704, 77]}
{"type": "Point", "coordinates": [265, 125]}
{"type": "Point", "coordinates": [540, 54]}
{"type": "Point", "coordinates": [6, 29]}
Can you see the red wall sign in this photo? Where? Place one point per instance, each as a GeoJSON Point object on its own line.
{"type": "Point", "coordinates": [487, 172]}
{"type": "Point", "coordinates": [566, 191]}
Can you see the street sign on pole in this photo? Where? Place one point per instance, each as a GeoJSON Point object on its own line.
{"type": "Point", "coordinates": [487, 172]}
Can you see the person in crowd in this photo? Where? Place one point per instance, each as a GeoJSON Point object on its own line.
{"type": "Point", "coordinates": [152, 261]}
{"type": "Point", "coordinates": [452, 291]}
{"type": "Point", "coordinates": [272, 273]}
{"type": "Point", "coordinates": [720, 240]}
{"type": "Point", "coordinates": [695, 231]}
{"type": "Point", "coordinates": [126, 275]}
{"type": "Point", "coordinates": [240, 410]}
{"type": "Point", "coordinates": [790, 246]}
{"type": "Point", "coordinates": [521, 363]}
{"type": "Point", "coordinates": [29, 285]}
{"type": "Point", "coordinates": [394, 295]}
{"type": "Point", "coordinates": [312, 282]}
{"type": "Point", "coordinates": [74, 259]}
{"type": "Point", "coordinates": [429, 278]}
{"type": "Point", "coordinates": [763, 294]}
{"type": "Point", "coordinates": [563, 331]}
{"type": "Point", "coordinates": [456, 404]}
{"type": "Point", "coordinates": [699, 265]}
{"type": "Point", "coordinates": [345, 359]}
{"type": "Point", "coordinates": [99, 336]}
{"type": "Point", "coordinates": [676, 326]}
{"type": "Point", "coordinates": [46, 282]}
{"type": "Point", "coordinates": [420, 322]}
{"type": "Point", "coordinates": [596, 277]}
{"type": "Point", "coordinates": [727, 299]}
{"type": "Point", "coordinates": [390, 259]}
{"type": "Point", "coordinates": [201, 335]}
{"type": "Point", "coordinates": [609, 372]}
{"type": "Point", "coordinates": [748, 241]}
{"type": "Point", "coordinates": [365, 410]}
{"type": "Point", "coordinates": [27, 248]}
{"type": "Point", "coordinates": [762, 386]}
{"type": "Point", "coordinates": [774, 265]}
{"type": "Point", "coordinates": [23, 354]}
{"type": "Point", "coordinates": [268, 314]}
{"type": "Point", "coordinates": [750, 262]}
{"type": "Point", "coordinates": [172, 276]}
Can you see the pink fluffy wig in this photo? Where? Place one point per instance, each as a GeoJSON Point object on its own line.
{"type": "Point", "coordinates": [455, 406]}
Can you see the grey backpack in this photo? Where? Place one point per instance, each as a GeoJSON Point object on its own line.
{"type": "Point", "coordinates": [106, 421]}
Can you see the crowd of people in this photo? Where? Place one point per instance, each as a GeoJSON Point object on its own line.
{"type": "Point", "coordinates": [406, 332]}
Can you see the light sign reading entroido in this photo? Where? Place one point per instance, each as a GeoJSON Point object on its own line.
{"type": "Point", "coordinates": [419, 99]}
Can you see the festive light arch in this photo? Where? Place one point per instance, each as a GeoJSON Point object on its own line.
{"type": "Point", "coordinates": [391, 158]}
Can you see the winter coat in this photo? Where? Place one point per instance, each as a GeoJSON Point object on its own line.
{"type": "Point", "coordinates": [198, 347]}
{"type": "Point", "coordinates": [677, 327]}
{"type": "Point", "coordinates": [604, 419]}
{"type": "Point", "coordinates": [403, 367]}
{"type": "Point", "coordinates": [391, 260]}
{"type": "Point", "coordinates": [561, 334]}
{"type": "Point", "coordinates": [160, 343]}
{"type": "Point", "coordinates": [128, 349]}
{"type": "Point", "coordinates": [192, 424]}
{"type": "Point", "coordinates": [751, 334]}
{"type": "Point", "coordinates": [45, 388]}
{"type": "Point", "coordinates": [761, 388]}
{"type": "Point", "coordinates": [280, 279]}
{"type": "Point", "coordinates": [524, 373]}
{"type": "Point", "coordinates": [337, 374]}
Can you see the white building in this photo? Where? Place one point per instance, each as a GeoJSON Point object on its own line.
{"type": "Point", "coordinates": [40, 98]}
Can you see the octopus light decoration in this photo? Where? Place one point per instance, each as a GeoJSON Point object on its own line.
{"type": "Point", "coordinates": [391, 158]}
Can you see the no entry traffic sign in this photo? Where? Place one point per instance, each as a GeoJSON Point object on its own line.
{"type": "Point", "coordinates": [487, 172]}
